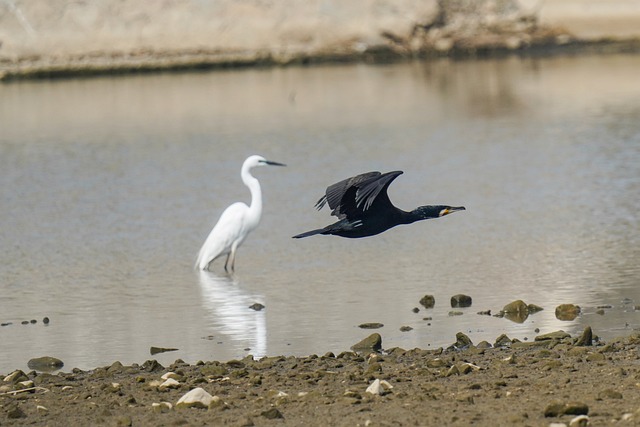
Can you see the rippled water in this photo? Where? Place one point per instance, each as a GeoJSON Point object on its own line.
{"type": "Point", "coordinates": [110, 185]}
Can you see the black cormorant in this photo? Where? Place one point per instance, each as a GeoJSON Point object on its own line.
{"type": "Point", "coordinates": [363, 207]}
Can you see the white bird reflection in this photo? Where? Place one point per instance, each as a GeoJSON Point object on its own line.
{"type": "Point", "coordinates": [229, 312]}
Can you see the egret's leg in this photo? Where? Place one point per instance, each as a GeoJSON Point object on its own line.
{"type": "Point", "coordinates": [232, 254]}
{"type": "Point", "coordinates": [227, 262]}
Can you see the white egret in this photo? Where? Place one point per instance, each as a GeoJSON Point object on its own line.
{"type": "Point", "coordinates": [236, 222]}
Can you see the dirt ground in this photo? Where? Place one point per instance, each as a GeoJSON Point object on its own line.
{"type": "Point", "coordinates": [536, 383]}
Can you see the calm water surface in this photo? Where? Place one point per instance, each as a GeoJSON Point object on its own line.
{"type": "Point", "coordinates": [109, 186]}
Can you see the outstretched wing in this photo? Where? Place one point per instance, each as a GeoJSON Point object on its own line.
{"type": "Point", "coordinates": [335, 192]}
{"type": "Point", "coordinates": [351, 197]}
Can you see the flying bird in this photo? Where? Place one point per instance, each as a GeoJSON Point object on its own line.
{"type": "Point", "coordinates": [363, 207]}
{"type": "Point", "coordinates": [236, 222]}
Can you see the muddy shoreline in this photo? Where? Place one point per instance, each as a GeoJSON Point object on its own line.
{"type": "Point", "coordinates": [554, 378]}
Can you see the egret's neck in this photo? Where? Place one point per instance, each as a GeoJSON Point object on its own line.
{"type": "Point", "coordinates": [255, 209]}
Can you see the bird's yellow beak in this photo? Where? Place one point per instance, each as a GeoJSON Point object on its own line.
{"type": "Point", "coordinates": [447, 211]}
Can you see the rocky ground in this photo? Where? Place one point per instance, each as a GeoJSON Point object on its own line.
{"type": "Point", "coordinates": [553, 380]}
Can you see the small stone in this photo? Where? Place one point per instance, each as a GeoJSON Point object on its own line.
{"type": "Point", "coordinates": [378, 387]}
{"type": "Point", "coordinates": [156, 350]}
{"type": "Point", "coordinates": [272, 414]}
{"type": "Point", "coordinates": [256, 306]}
{"type": "Point", "coordinates": [428, 301]}
{"type": "Point", "coordinates": [15, 377]}
{"type": "Point", "coordinates": [460, 300]}
{"type": "Point", "coordinates": [372, 342]}
{"type": "Point", "coordinates": [586, 339]}
{"type": "Point", "coordinates": [41, 409]}
{"type": "Point", "coordinates": [171, 375]}
{"type": "Point", "coordinates": [196, 398]}
{"type": "Point", "coordinates": [462, 341]}
{"type": "Point", "coordinates": [436, 363]}
{"type": "Point", "coordinates": [455, 313]}
{"type": "Point", "coordinates": [161, 407]}
{"type": "Point", "coordinates": [567, 311]}
{"type": "Point", "coordinates": [485, 313]}
{"type": "Point", "coordinates": [579, 421]}
{"type": "Point", "coordinates": [46, 363]}
{"type": "Point", "coordinates": [517, 306]}
{"type": "Point", "coordinates": [416, 310]}
{"type": "Point", "coordinates": [152, 366]}
{"type": "Point", "coordinates": [502, 341]}
{"type": "Point", "coordinates": [45, 320]}
{"type": "Point", "coordinates": [33, 321]}
{"type": "Point", "coordinates": [405, 328]}
{"type": "Point", "coordinates": [557, 335]}
{"type": "Point", "coordinates": [372, 325]}
{"type": "Point", "coordinates": [557, 409]}
{"type": "Point", "coordinates": [465, 368]}
{"type": "Point", "coordinates": [169, 384]}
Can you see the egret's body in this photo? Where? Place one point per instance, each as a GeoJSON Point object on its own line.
{"type": "Point", "coordinates": [363, 207]}
{"type": "Point", "coordinates": [236, 222]}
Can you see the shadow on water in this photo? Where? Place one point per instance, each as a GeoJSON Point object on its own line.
{"type": "Point", "coordinates": [228, 309]}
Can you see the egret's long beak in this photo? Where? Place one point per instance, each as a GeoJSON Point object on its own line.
{"type": "Point", "coordinates": [452, 209]}
{"type": "Point", "coordinates": [270, 163]}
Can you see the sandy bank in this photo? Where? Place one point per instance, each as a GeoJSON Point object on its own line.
{"type": "Point", "coordinates": [58, 37]}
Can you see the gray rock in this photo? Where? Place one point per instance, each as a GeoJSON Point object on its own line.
{"type": "Point", "coordinates": [502, 341]}
{"type": "Point", "coordinates": [405, 328]}
{"type": "Point", "coordinates": [567, 311]}
{"type": "Point", "coordinates": [517, 306]}
{"type": "Point", "coordinates": [15, 377]}
{"type": "Point", "coordinates": [428, 301]}
{"type": "Point", "coordinates": [586, 339]}
{"type": "Point", "coordinates": [557, 335]}
{"type": "Point", "coordinates": [156, 350]}
{"type": "Point", "coordinates": [196, 398]}
{"type": "Point", "coordinates": [462, 341]}
{"type": "Point", "coordinates": [460, 300]}
{"type": "Point", "coordinates": [372, 325]}
{"type": "Point", "coordinates": [45, 363]}
{"type": "Point", "coordinates": [256, 306]}
{"type": "Point", "coordinates": [372, 342]}
{"type": "Point", "coordinates": [557, 409]}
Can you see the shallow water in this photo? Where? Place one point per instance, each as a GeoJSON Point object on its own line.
{"type": "Point", "coordinates": [110, 185]}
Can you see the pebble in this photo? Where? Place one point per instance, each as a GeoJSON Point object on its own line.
{"type": "Point", "coordinates": [461, 300]}
{"type": "Point", "coordinates": [579, 421]}
{"type": "Point", "coordinates": [378, 387]}
{"type": "Point", "coordinates": [372, 342]}
{"type": "Point", "coordinates": [161, 407]}
{"type": "Point", "coordinates": [169, 384]}
{"type": "Point", "coordinates": [45, 363]}
{"type": "Point", "coordinates": [256, 306]}
{"type": "Point", "coordinates": [196, 398]}
{"type": "Point", "coordinates": [16, 376]}
{"type": "Point", "coordinates": [371, 325]}
{"type": "Point", "coordinates": [567, 311]}
{"type": "Point", "coordinates": [428, 301]}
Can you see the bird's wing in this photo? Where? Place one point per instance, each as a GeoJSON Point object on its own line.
{"type": "Point", "coordinates": [375, 188]}
{"type": "Point", "coordinates": [336, 192]}
{"type": "Point", "coordinates": [228, 229]}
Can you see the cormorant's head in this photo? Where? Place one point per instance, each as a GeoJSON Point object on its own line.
{"type": "Point", "coordinates": [436, 211]}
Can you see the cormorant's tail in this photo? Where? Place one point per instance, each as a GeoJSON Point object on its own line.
{"type": "Point", "coordinates": [309, 233]}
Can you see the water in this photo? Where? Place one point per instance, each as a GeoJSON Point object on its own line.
{"type": "Point", "coordinates": [110, 185]}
